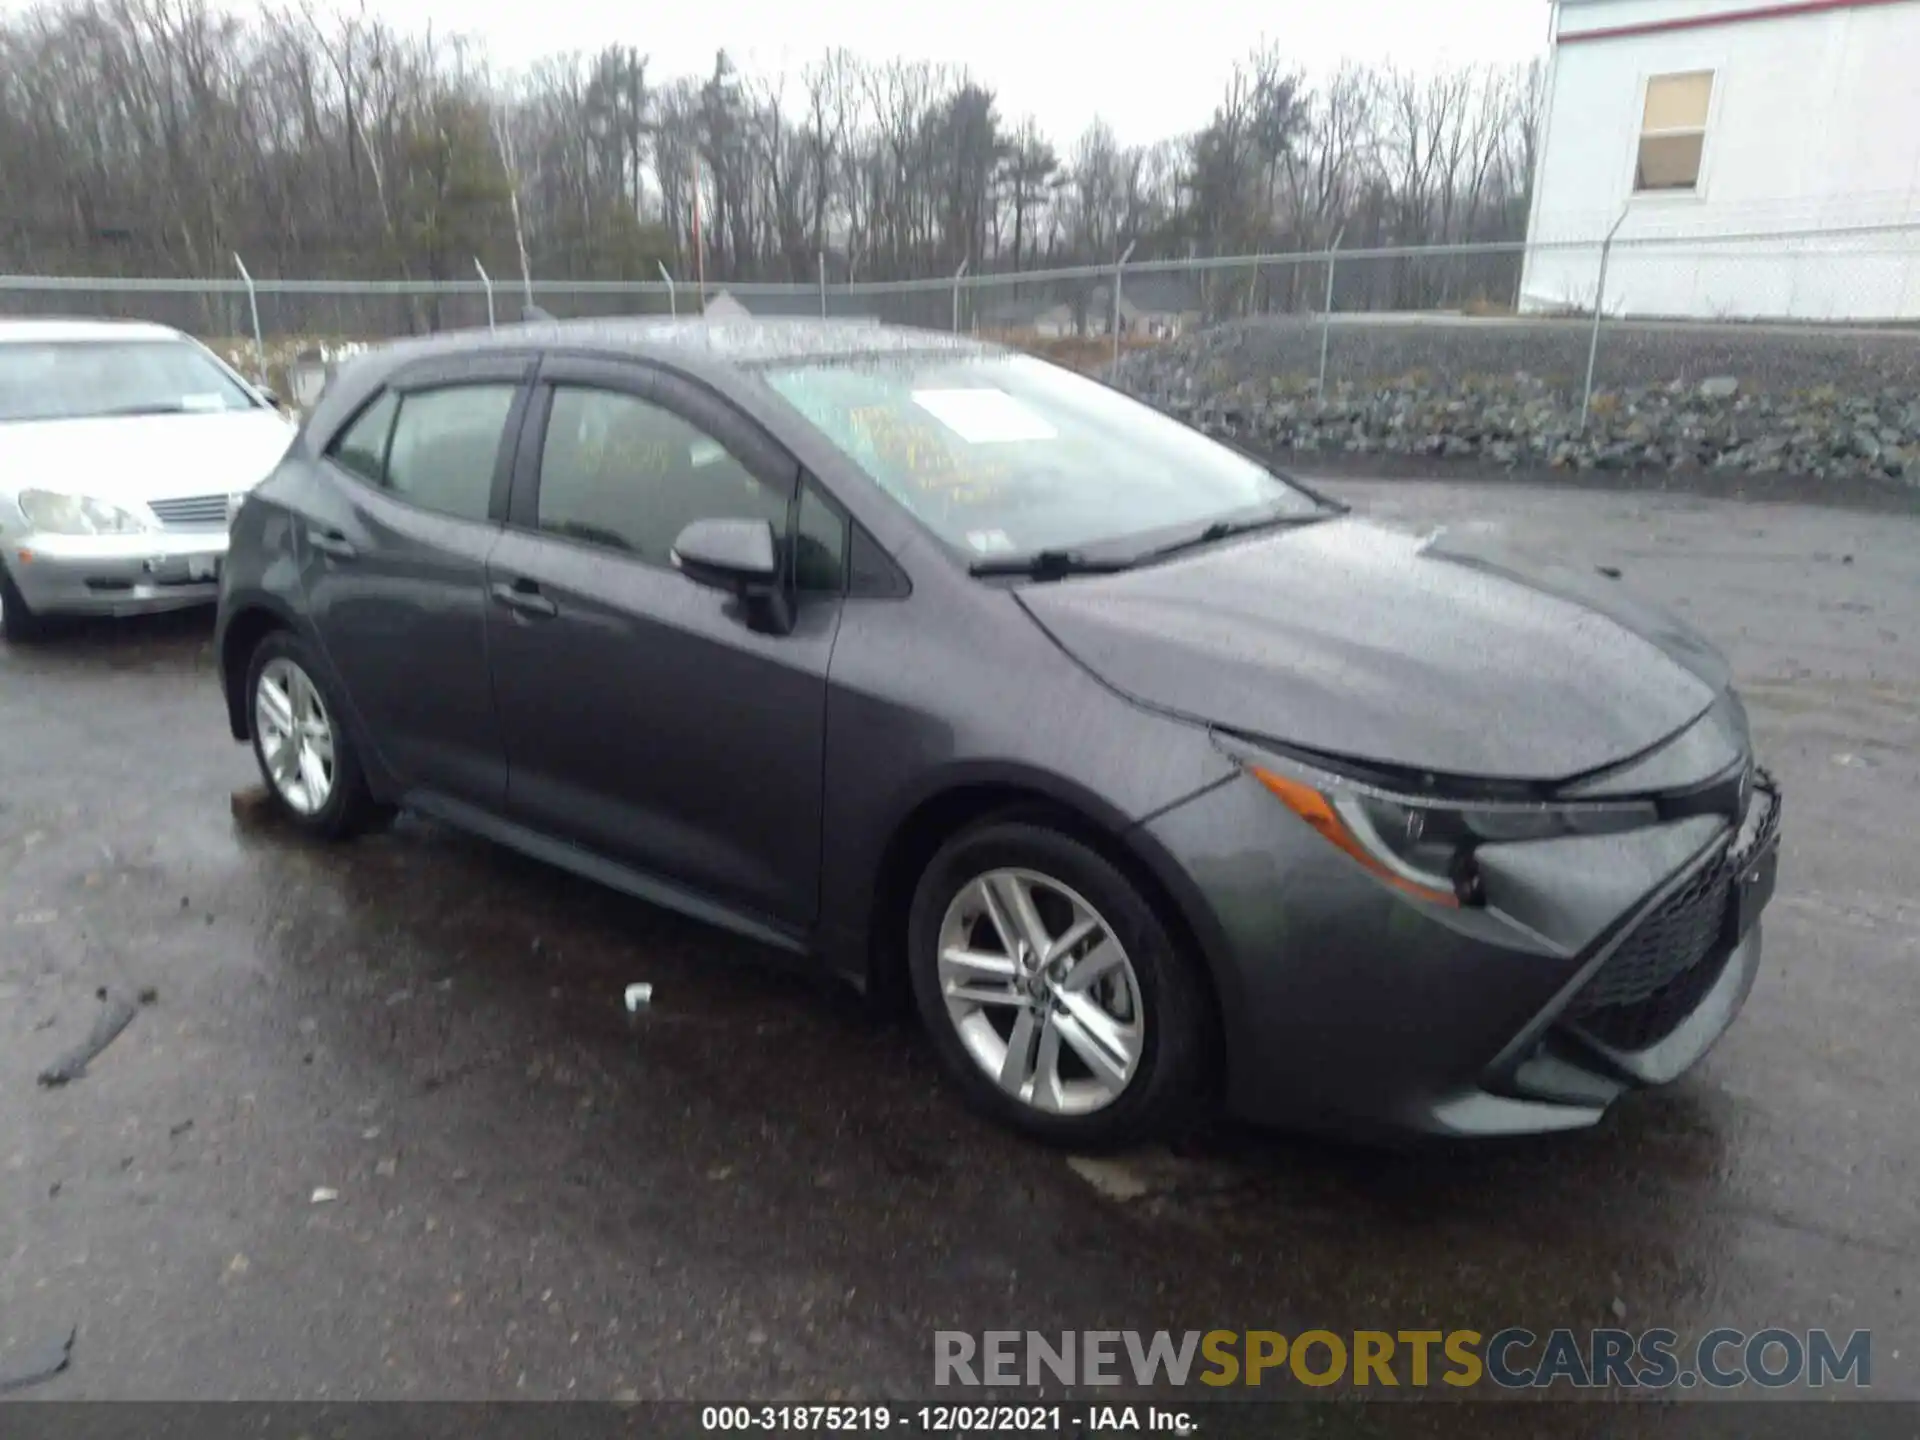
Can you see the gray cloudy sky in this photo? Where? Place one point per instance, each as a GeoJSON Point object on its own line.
{"type": "Point", "coordinates": [1151, 70]}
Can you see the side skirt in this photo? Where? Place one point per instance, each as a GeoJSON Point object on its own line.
{"type": "Point", "coordinates": [592, 866]}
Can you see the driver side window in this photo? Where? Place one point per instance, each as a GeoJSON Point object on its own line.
{"type": "Point", "coordinates": [619, 471]}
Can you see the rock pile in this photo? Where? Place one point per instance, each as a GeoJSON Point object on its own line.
{"type": "Point", "coordinates": [1522, 421]}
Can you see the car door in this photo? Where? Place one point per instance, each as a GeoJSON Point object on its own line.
{"type": "Point", "coordinates": [395, 567]}
{"type": "Point", "coordinates": [645, 716]}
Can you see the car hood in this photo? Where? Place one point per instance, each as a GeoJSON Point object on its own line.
{"type": "Point", "coordinates": [144, 457]}
{"type": "Point", "coordinates": [1446, 654]}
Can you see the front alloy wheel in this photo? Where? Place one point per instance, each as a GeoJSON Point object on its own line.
{"type": "Point", "coordinates": [1041, 992]}
{"type": "Point", "coordinates": [1053, 992]}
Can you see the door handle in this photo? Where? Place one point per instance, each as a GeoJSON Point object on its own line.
{"type": "Point", "coordinates": [332, 542]}
{"type": "Point", "coordinates": [523, 597]}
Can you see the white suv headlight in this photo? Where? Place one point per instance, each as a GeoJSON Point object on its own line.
{"type": "Point", "coordinates": [60, 514]}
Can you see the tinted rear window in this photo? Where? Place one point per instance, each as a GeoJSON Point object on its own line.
{"type": "Point", "coordinates": [362, 446]}
{"type": "Point", "coordinates": [445, 446]}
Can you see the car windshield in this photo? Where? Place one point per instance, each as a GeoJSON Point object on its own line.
{"type": "Point", "coordinates": [82, 379]}
{"type": "Point", "coordinates": [1006, 455]}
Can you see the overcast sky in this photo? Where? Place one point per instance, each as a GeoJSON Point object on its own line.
{"type": "Point", "coordinates": [1152, 70]}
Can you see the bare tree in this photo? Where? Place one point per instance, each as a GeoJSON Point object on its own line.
{"type": "Point", "coordinates": [160, 136]}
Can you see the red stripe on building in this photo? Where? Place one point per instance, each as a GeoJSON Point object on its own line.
{"type": "Point", "coordinates": [1725, 17]}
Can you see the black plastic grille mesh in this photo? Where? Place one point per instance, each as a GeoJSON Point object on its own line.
{"type": "Point", "coordinates": [1664, 968]}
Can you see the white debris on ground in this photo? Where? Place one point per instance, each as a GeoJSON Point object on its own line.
{"type": "Point", "coordinates": [1115, 1179]}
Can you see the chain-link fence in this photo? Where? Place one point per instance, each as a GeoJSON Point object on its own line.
{"type": "Point", "coordinates": [1580, 315]}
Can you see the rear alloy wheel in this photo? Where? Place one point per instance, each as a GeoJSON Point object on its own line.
{"type": "Point", "coordinates": [296, 736]}
{"type": "Point", "coordinates": [1054, 995]}
{"type": "Point", "coordinates": [304, 753]}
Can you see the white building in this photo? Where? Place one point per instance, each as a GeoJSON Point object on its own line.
{"type": "Point", "coordinates": [1687, 122]}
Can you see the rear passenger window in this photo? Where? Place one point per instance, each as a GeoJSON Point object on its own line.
{"type": "Point", "coordinates": [445, 446]}
{"type": "Point", "coordinates": [362, 446]}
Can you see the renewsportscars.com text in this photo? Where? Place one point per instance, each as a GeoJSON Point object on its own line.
{"type": "Point", "coordinates": [1511, 1359]}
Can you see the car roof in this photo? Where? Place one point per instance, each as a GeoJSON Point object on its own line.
{"type": "Point", "coordinates": [63, 329]}
{"type": "Point", "coordinates": [724, 355]}
{"type": "Point", "coordinates": [700, 344]}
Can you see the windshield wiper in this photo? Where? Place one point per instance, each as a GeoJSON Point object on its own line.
{"type": "Point", "coordinates": [1227, 529]}
{"type": "Point", "coordinates": [1049, 565]}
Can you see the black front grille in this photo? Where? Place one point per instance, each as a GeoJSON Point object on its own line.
{"type": "Point", "coordinates": [193, 512]}
{"type": "Point", "coordinates": [1662, 970]}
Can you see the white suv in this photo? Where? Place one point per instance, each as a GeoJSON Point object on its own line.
{"type": "Point", "coordinates": [122, 449]}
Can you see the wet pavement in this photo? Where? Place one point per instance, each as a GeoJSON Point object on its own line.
{"type": "Point", "coordinates": [387, 1130]}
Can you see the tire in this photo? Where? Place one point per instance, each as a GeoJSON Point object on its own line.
{"type": "Point", "coordinates": [285, 663]}
{"type": "Point", "coordinates": [1067, 1102]}
{"type": "Point", "coordinates": [18, 624]}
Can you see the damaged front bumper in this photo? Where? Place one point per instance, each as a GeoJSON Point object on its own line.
{"type": "Point", "coordinates": [1599, 964]}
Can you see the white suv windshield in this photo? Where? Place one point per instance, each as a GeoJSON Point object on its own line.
{"type": "Point", "coordinates": [82, 379]}
{"type": "Point", "coordinates": [1008, 455]}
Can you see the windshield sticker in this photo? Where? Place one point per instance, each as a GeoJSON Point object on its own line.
{"type": "Point", "coordinates": [984, 417]}
{"type": "Point", "coordinates": [990, 542]}
{"type": "Point", "coordinates": [203, 402]}
{"type": "Point", "coordinates": [705, 452]}
{"type": "Point", "coordinates": [916, 449]}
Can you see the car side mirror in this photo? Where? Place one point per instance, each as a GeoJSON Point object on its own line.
{"type": "Point", "coordinates": [733, 555]}
{"type": "Point", "coordinates": [741, 558]}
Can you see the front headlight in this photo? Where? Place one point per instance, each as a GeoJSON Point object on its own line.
{"type": "Point", "coordinates": [1425, 846]}
{"type": "Point", "coordinates": [60, 514]}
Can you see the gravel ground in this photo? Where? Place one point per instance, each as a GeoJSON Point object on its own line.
{"type": "Point", "coordinates": [1768, 359]}
{"type": "Point", "coordinates": [1827, 415]}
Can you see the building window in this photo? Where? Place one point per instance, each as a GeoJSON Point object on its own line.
{"type": "Point", "coordinates": [1673, 132]}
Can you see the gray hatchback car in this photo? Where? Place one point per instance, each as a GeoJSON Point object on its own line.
{"type": "Point", "coordinates": [1147, 772]}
